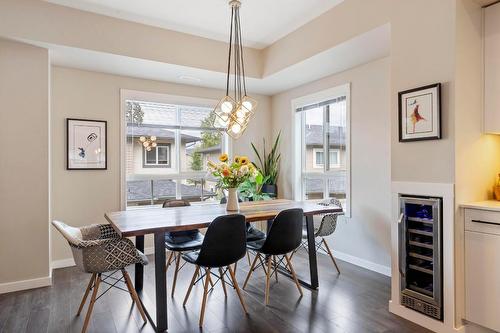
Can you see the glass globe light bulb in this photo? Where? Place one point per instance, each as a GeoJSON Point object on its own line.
{"type": "Point", "coordinates": [153, 138]}
{"type": "Point", "coordinates": [236, 128]}
{"type": "Point", "coordinates": [148, 148]}
{"type": "Point", "coordinates": [142, 139]}
{"type": "Point", "coordinates": [248, 105]}
{"type": "Point", "coordinates": [145, 144]}
{"type": "Point", "coordinates": [153, 144]}
{"type": "Point", "coordinates": [226, 107]}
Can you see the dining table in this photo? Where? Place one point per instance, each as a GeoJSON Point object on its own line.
{"type": "Point", "coordinates": [157, 221]}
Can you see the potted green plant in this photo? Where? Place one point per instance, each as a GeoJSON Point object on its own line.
{"type": "Point", "coordinates": [269, 167]}
{"type": "Point", "coordinates": [251, 189]}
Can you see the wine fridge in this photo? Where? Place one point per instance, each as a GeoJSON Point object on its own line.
{"type": "Point", "coordinates": [420, 251]}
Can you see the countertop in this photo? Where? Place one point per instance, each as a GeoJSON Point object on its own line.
{"type": "Point", "coordinates": [491, 205]}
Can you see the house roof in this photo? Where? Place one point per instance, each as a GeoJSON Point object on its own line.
{"type": "Point", "coordinates": [139, 190]}
{"type": "Point", "coordinates": [314, 135]}
{"type": "Point", "coordinates": [134, 130]}
{"type": "Point", "coordinates": [216, 148]}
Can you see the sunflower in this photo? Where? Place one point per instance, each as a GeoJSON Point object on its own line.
{"type": "Point", "coordinates": [237, 159]}
{"type": "Point", "coordinates": [244, 160]}
{"type": "Point", "coordinates": [223, 158]}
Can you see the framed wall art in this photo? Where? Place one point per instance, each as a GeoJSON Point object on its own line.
{"type": "Point", "coordinates": [86, 147]}
{"type": "Point", "coordinates": [420, 113]}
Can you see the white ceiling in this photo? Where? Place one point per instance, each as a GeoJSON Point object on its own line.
{"type": "Point", "coordinates": [263, 21]}
{"type": "Point", "coordinates": [361, 49]}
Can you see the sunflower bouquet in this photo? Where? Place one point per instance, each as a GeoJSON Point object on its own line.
{"type": "Point", "coordinates": [231, 174]}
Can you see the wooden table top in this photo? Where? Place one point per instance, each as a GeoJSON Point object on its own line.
{"type": "Point", "coordinates": [147, 221]}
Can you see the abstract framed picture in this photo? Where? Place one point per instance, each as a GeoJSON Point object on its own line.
{"type": "Point", "coordinates": [86, 147]}
{"type": "Point", "coordinates": [420, 113]}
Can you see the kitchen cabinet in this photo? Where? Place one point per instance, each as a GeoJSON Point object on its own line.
{"type": "Point", "coordinates": [482, 266]}
{"type": "Point", "coordinates": [492, 69]}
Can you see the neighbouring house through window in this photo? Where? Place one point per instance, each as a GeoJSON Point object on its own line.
{"type": "Point", "coordinates": [322, 143]}
{"type": "Point", "coordinates": [168, 142]}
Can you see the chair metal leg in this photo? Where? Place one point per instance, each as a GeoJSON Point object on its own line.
{"type": "Point", "coordinates": [205, 293]}
{"type": "Point", "coordinates": [177, 262]}
{"type": "Point", "coordinates": [134, 295]}
{"type": "Point", "coordinates": [235, 283]}
{"type": "Point", "coordinates": [251, 270]}
{"type": "Point", "coordinates": [223, 281]}
{"type": "Point", "coordinates": [268, 276]}
{"type": "Point", "coordinates": [248, 257]}
{"type": "Point", "coordinates": [275, 268]}
{"type": "Point", "coordinates": [331, 255]}
{"type": "Point", "coordinates": [294, 275]}
{"type": "Point", "coordinates": [92, 301]}
{"type": "Point", "coordinates": [84, 299]}
{"type": "Point", "coordinates": [195, 275]}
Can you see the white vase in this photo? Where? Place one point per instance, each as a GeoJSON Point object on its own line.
{"type": "Point", "coordinates": [232, 200]}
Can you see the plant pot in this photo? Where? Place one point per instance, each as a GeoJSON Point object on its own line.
{"type": "Point", "coordinates": [497, 192]}
{"type": "Point", "coordinates": [232, 200]}
{"type": "Point", "coordinates": [271, 189]}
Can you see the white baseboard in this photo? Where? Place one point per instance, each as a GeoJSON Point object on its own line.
{"type": "Point", "coordinates": [25, 284]}
{"type": "Point", "coordinates": [385, 270]}
{"type": "Point", "coordinates": [62, 263]}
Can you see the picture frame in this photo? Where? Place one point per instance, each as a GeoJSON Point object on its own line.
{"type": "Point", "coordinates": [420, 113]}
{"type": "Point", "coordinates": [86, 144]}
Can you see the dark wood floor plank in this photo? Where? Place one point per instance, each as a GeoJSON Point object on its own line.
{"type": "Point", "coordinates": [354, 301]}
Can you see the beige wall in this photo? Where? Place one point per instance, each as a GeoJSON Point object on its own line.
{"type": "Point", "coordinates": [24, 166]}
{"type": "Point", "coordinates": [367, 234]}
{"type": "Point", "coordinates": [82, 197]}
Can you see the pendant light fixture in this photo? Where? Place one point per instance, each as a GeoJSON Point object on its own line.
{"type": "Point", "coordinates": [233, 113]}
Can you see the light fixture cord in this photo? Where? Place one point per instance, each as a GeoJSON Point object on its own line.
{"type": "Point", "coordinates": [230, 46]}
{"type": "Point", "coordinates": [241, 55]}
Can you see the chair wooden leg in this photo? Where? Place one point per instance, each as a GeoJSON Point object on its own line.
{"type": "Point", "coordinates": [84, 299]}
{"type": "Point", "coordinates": [134, 295]}
{"type": "Point", "coordinates": [195, 275]}
{"type": "Point", "coordinates": [294, 275]}
{"type": "Point", "coordinates": [235, 266]}
{"type": "Point", "coordinates": [92, 301]}
{"type": "Point", "coordinates": [268, 277]}
{"type": "Point", "coordinates": [177, 262]}
{"type": "Point", "coordinates": [238, 291]}
{"type": "Point", "coordinates": [248, 257]}
{"type": "Point", "coordinates": [275, 269]}
{"type": "Point", "coordinates": [251, 270]}
{"type": "Point", "coordinates": [331, 255]}
{"type": "Point", "coordinates": [205, 293]}
{"type": "Point", "coordinates": [221, 272]}
{"type": "Point", "coordinates": [169, 260]}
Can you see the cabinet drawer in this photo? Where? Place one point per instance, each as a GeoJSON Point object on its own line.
{"type": "Point", "coordinates": [482, 279]}
{"type": "Point", "coordinates": [482, 221]}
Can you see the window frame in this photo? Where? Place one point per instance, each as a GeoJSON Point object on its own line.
{"type": "Point", "coordinates": [145, 163]}
{"type": "Point", "coordinates": [178, 174]}
{"type": "Point", "coordinates": [317, 165]}
{"type": "Point", "coordinates": [298, 135]}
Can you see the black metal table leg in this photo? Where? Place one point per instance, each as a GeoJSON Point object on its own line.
{"type": "Point", "coordinates": [139, 268]}
{"type": "Point", "coordinates": [160, 283]}
{"type": "Point", "coordinates": [311, 245]}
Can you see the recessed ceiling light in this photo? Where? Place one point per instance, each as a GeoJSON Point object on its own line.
{"type": "Point", "coordinates": [189, 78]}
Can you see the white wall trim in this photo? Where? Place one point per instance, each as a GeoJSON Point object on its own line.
{"type": "Point", "coordinates": [384, 270]}
{"type": "Point", "coordinates": [62, 263]}
{"type": "Point", "coordinates": [25, 284]}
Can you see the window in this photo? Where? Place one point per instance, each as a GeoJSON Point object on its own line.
{"type": "Point", "coordinates": [157, 157]}
{"type": "Point", "coordinates": [322, 145]}
{"type": "Point", "coordinates": [168, 141]}
{"type": "Point", "coordinates": [318, 158]}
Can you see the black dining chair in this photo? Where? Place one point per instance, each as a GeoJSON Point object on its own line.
{"type": "Point", "coordinates": [253, 234]}
{"type": "Point", "coordinates": [224, 245]}
{"type": "Point", "coordinates": [178, 242]}
{"type": "Point", "coordinates": [285, 235]}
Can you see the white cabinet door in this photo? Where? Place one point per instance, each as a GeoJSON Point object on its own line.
{"type": "Point", "coordinates": [482, 279]}
{"type": "Point", "coordinates": [492, 69]}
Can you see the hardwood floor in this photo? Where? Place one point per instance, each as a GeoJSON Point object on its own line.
{"type": "Point", "coordinates": [354, 301]}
